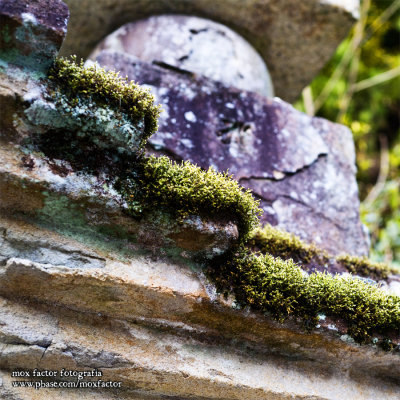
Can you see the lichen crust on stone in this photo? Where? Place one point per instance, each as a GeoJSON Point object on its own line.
{"type": "Point", "coordinates": [84, 86]}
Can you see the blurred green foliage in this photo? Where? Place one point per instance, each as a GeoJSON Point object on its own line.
{"type": "Point", "coordinates": [360, 87]}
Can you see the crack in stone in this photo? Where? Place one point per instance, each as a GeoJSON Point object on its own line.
{"type": "Point", "coordinates": [27, 248]}
{"type": "Point", "coordinates": [165, 65]}
{"type": "Point", "coordinates": [286, 173]}
{"type": "Point", "coordinates": [44, 352]}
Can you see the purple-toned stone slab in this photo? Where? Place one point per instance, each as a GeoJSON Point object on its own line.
{"type": "Point", "coordinates": [301, 168]}
{"type": "Point", "coordinates": [209, 124]}
{"type": "Point", "coordinates": [319, 203]}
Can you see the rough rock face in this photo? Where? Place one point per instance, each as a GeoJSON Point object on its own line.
{"type": "Point", "coordinates": [157, 331]}
{"type": "Point", "coordinates": [50, 192]}
{"type": "Point", "coordinates": [294, 39]}
{"type": "Point", "coordinates": [196, 45]}
{"type": "Point", "coordinates": [31, 32]}
{"type": "Point", "coordinates": [85, 288]}
{"type": "Point", "coordinates": [301, 168]}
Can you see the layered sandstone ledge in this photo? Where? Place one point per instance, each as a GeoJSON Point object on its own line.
{"type": "Point", "coordinates": [85, 285]}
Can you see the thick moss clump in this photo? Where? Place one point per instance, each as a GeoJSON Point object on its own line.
{"type": "Point", "coordinates": [187, 189]}
{"type": "Point", "coordinates": [272, 285]}
{"type": "Point", "coordinates": [270, 240]}
{"type": "Point", "coordinates": [109, 89]}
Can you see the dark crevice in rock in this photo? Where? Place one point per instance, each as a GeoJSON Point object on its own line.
{"type": "Point", "coordinates": [173, 68]}
{"type": "Point", "coordinates": [286, 173]}
{"type": "Point", "coordinates": [44, 352]}
{"type": "Point", "coordinates": [197, 31]}
{"type": "Point", "coordinates": [82, 154]}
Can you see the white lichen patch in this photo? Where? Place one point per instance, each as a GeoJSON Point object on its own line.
{"type": "Point", "coordinates": [187, 143]}
{"type": "Point", "coordinates": [394, 288]}
{"type": "Point", "coordinates": [347, 339]}
{"type": "Point", "coordinates": [29, 18]}
{"type": "Point", "coordinates": [157, 143]}
{"type": "Point", "coordinates": [92, 64]}
{"type": "Point", "coordinates": [190, 116]}
{"type": "Point", "coordinates": [278, 175]}
{"type": "Point", "coordinates": [209, 288]}
{"type": "Point", "coordinates": [332, 327]}
{"type": "Point", "coordinates": [189, 93]}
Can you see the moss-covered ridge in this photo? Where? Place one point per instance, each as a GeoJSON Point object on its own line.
{"type": "Point", "coordinates": [107, 88]}
{"type": "Point", "coordinates": [272, 285]}
{"type": "Point", "coordinates": [281, 288]}
{"type": "Point", "coordinates": [264, 283]}
{"type": "Point", "coordinates": [284, 245]}
{"type": "Point", "coordinates": [187, 189]}
{"type": "Point", "coordinates": [287, 246]}
{"type": "Point", "coordinates": [364, 267]}
{"type": "Point", "coordinates": [183, 189]}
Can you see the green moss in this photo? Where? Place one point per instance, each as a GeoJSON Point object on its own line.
{"type": "Point", "coordinates": [270, 240]}
{"type": "Point", "coordinates": [365, 267]}
{"type": "Point", "coordinates": [264, 283]}
{"type": "Point", "coordinates": [272, 285]}
{"type": "Point", "coordinates": [187, 189]}
{"type": "Point", "coordinates": [107, 88]}
{"type": "Point", "coordinates": [284, 245]}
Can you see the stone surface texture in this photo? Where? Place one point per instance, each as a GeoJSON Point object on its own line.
{"type": "Point", "coordinates": [294, 39]}
{"type": "Point", "coordinates": [85, 287]}
{"type": "Point", "coordinates": [301, 168]}
{"type": "Point", "coordinates": [32, 31]}
{"type": "Point", "coordinates": [156, 327]}
{"type": "Point", "coordinates": [196, 45]}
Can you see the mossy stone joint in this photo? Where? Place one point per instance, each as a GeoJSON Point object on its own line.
{"type": "Point", "coordinates": [187, 189]}
{"type": "Point", "coordinates": [263, 282]}
{"type": "Point", "coordinates": [280, 287]}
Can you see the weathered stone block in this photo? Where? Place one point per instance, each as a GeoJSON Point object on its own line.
{"type": "Point", "coordinates": [302, 168]}
{"type": "Point", "coordinates": [193, 44]}
{"type": "Point", "coordinates": [80, 291]}
{"type": "Point", "coordinates": [130, 319]}
{"type": "Point", "coordinates": [295, 39]}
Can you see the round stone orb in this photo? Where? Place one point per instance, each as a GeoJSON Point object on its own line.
{"type": "Point", "coordinates": [193, 44]}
